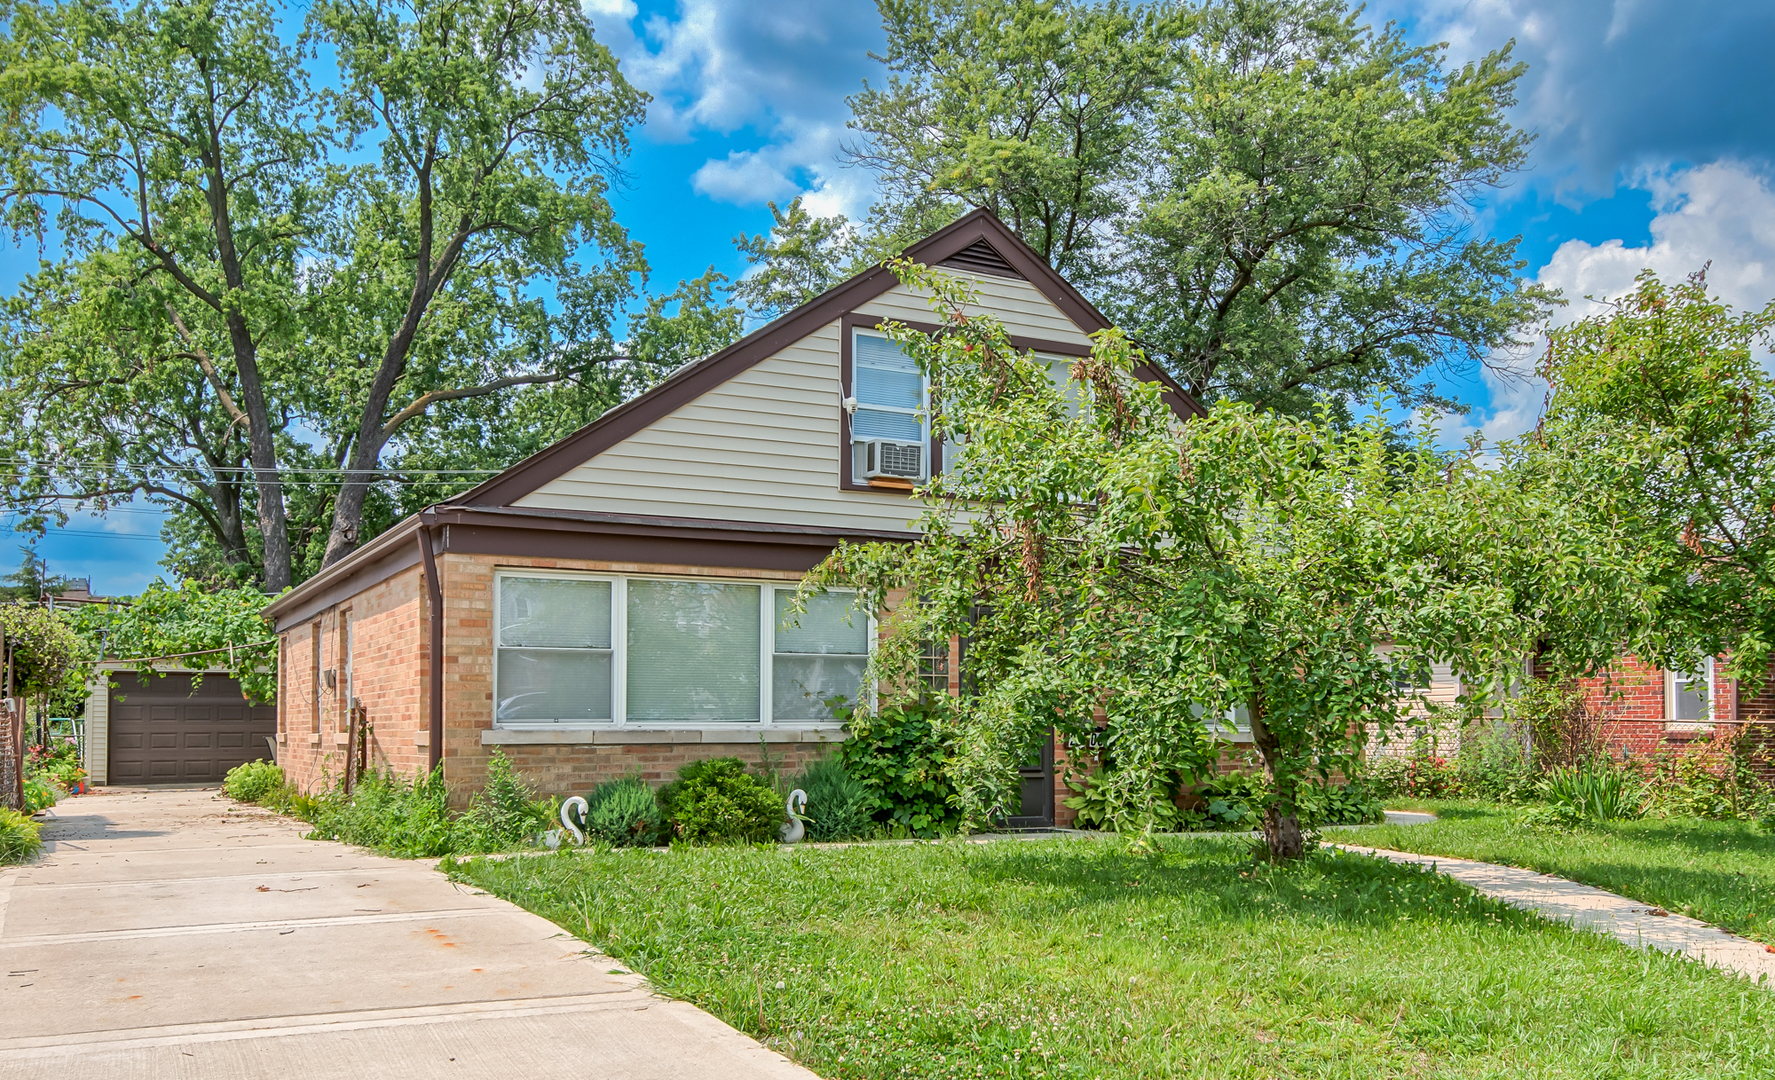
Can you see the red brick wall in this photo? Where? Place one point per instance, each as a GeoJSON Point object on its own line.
{"type": "Point", "coordinates": [388, 676]}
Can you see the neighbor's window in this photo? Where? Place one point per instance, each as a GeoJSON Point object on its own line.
{"type": "Point", "coordinates": [890, 393]}
{"type": "Point", "coordinates": [819, 658]}
{"type": "Point", "coordinates": [1687, 695]}
{"type": "Point", "coordinates": [555, 655]}
{"type": "Point", "coordinates": [656, 651]}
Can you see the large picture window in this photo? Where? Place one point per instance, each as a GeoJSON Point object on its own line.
{"type": "Point", "coordinates": [577, 649]}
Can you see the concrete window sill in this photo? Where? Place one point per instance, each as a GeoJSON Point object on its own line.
{"type": "Point", "coordinates": [609, 736]}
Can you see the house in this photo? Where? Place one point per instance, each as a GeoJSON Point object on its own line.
{"type": "Point", "coordinates": [612, 605]}
{"type": "Point", "coordinates": [1641, 711]}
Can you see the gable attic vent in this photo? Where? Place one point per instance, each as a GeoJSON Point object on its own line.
{"type": "Point", "coordinates": [980, 258]}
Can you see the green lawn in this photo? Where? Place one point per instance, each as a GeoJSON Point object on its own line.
{"type": "Point", "coordinates": [1074, 958]}
{"type": "Point", "coordinates": [1721, 872]}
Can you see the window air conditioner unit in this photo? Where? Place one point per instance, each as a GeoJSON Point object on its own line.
{"type": "Point", "coordinates": [902, 460]}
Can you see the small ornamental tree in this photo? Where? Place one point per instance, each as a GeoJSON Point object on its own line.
{"type": "Point", "coordinates": [1127, 578]}
{"type": "Point", "coordinates": [1661, 426]}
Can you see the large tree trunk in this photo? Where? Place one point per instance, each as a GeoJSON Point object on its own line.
{"type": "Point", "coordinates": [262, 451]}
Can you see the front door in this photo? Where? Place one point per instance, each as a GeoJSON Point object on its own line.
{"type": "Point", "coordinates": [1037, 776]}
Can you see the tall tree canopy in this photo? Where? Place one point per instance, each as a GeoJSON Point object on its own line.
{"type": "Point", "coordinates": [1270, 196]}
{"type": "Point", "coordinates": [262, 288]}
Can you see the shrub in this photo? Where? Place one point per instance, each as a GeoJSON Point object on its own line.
{"type": "Point", "coordinates": [839, 806]}
{"type": "Point", "coordinates": [253, 781]}
{"type": "Point", "coordinates": [1340, 804]}
{"type": "Point", "coordinates": [716, 801]}
{"type": "Point", "coordinates": [898, 753]}
{"type": "Point", "coordinates": [40, 795]}
{"type": "Point", "coordinates": [20, 837]}
{"type": "Point", "coordinates": [1101, 803]}
{"type": "Point", "coordinates": [1713, 777]}
{"type": "Point", "coordinates": [387, 813]}
{"type": "Point", "coordinates": [1415, 775]}
{"type": "Point", "coordinates": [502, 814]}
{"type": "Point", "coordinates": [1594, 791]}
{"type": "Point", "coordinates": [1495, 763]}
{"type": "Point", "coordinates": [624, 813]}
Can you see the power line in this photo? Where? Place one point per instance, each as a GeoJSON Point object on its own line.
{"type": "Point", "coordinates": [246, 470]}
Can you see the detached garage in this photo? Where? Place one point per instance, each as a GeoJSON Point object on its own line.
{"type": "Point", "coordinates": [163, 729]}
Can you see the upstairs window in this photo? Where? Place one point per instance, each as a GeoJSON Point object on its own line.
{"type": "Point", "coordinates": [890, 435]}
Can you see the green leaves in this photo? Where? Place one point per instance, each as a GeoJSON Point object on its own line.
{"type": "Point", "coordinates": [1136, 582]}
{"type": "Point", "coordinates": [1661, 432]}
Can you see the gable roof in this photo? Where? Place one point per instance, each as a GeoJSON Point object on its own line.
{"type": "Point", "coordinates": [977, 242]}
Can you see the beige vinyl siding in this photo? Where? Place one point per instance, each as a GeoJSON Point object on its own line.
{"type": "Point", "coordinates": [761, 447]}
{"type": "Point", "coordinates": [1018, 304]}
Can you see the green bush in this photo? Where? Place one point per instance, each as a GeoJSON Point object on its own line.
{"type": "Point", "coordinates": [253, 781]}
{"type": "Point", "coordinates": [839, 806]}
{"type": "Point", "coordinates": [624, 813]}
{"type": "Point", "coordinates": [20, 837]}
{"type": "Point", "coordinates": [389, 814]}
{"type": "Point", "coordinates": [40, 795]}
{"type": "Point", "coordinates": [1230, 801]}
{"type": "Point", "coordinates": [1339, 804]}
{"type": "Point", "coordinates": [1594, 791]}
{"type": "Point", "coordinates": [1102, 804]}
{"type": "Point", "coordinates": [899, 755]}
{"type": "Point", "coordinates": [1495, 763]}
{"type": "Point", "coordinates": [504, 813]}
{"type": "Point", "coordinates": [716, 801]}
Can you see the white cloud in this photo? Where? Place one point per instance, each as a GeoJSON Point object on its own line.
{"type": "Point", "coordinates": [779, 71]}
{"type": "Point", "coordinates": [1615, 86]}
{"type": "Point", "coordinates": [1722, 213]}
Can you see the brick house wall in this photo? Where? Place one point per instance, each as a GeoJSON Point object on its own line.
{"type": "Point", "coordinates": [390, 676]}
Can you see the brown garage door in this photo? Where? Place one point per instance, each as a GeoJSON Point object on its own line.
{"type": "Point", "coordinates": [165, 732]}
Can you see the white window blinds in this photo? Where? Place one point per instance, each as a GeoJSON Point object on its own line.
{"type": "Point", "coordinates": [693, 651]}
{"type": "Point", "coordinates": [817, 658]}
{"type": "Point", "coordinates": [889, 391]}
{"type": "Point", "coordinates": [554, 650]}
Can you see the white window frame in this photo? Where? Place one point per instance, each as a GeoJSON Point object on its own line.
{"type": "Point", "coordinates": [619, 636]}
{"type": "Point", "coordinates": [922, 414]}
{"type": "Point", "coordinates": [1671, 681]}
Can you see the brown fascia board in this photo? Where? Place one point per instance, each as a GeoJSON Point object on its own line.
{"type": "Point", "coordinates": [543, 533]}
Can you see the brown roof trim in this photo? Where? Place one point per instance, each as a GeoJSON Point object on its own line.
{"type": "Point", "coordinates": [565, 534]}
{"type": "Point", "coordinates": [694, 380]}
{"type": "Point", "coordinates": [589, 521]}
{"type": "Point", "coordinates": [377, 561]}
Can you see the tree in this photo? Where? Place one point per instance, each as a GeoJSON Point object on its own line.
{"type": "Point", "coordinates": [32, 581]}
{"type": "Point", "coordinates": [191, 626]}
{"type": "Point", "coordinates": [1270, 197]}
{"type": "Point", "coordinates": [230, 276]}
{"type": "Point", "coordinates": [499, 125]}
{"type": "Point", "coordinates": [1033, 109]}
{"type": "Point", "coordinates": [1103, 558]}
{"type": "Point", "coordinates": [1661, 425]}
{"type": "Point", "coordinates": [171, 146]}
{"type": "Point", "coordinates": [801, 257]}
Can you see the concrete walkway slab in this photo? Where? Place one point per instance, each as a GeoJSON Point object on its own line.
{"type": "Point", "coordinates": [1631, 922]}
{"type": "Point", "coordinates": [173, 934]}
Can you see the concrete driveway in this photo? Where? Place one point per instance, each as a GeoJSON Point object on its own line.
{"type": "Point", "coordinates": [173, 934]}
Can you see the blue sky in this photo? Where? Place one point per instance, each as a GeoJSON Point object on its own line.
{"type": "Point", "coordinates": [1656, 147]}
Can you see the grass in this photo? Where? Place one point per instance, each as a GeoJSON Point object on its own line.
{"type": "Point", "coordinates": [1721, 872]}
{"type": "Point", "coordinates": [1075, 958]}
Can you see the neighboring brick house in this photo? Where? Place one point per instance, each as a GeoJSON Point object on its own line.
{"type": "Point", "coordinates": [1642, 710]}
{"type": "Point", "coordinates": [612, 604]}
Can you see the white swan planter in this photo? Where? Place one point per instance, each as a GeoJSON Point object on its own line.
{"type": "Point", "coordinates": [792, 831]}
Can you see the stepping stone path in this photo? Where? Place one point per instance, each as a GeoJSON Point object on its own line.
{"type": "Point", "coordinates": [1630, 922]}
